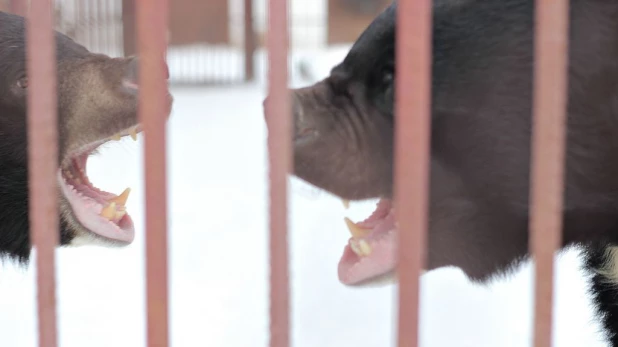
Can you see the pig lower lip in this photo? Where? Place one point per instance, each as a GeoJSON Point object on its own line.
{"type": "Point", "coordinates": [101, 213]}
{"type": "Point", "coordinates": [131, 87]}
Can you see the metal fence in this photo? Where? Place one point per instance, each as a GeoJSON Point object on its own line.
{"type": "Point", "coordinates": [412, 134]}
{"type": "Point", "coordinates": [194, 57]}
{"type": "Point", "coordinates": [215, 42]}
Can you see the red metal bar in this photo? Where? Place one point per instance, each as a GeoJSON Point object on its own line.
{"type": "Point", "coordinates": [249, 41]}
{"type": "Point", "coordinates": [412, 135]}
{"type": "Point", "coordinates": [128, 27]}
{"type": "Point", "coordinates": [88, 40]}
{"type": "Point", "coordinates": [42, 161]}
{"type": "Point", "coordinates": [152, 23]}
{"type": "Point", "coordinates": [79, 18]}
{"type": "Point", "coordinates": [548, 145]}
{"type": "Point", "coordinates": [280, 160]}
{"type": "Point", "coordinates": [19, 7]}
{"type": "Point", "coordinates": [109, 25]}
{"type": "Point", "coordinates": [100, 25]}
{"type": "Point", "coordinates": [91, 24]}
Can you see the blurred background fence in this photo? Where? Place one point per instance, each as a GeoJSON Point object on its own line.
{"type": "Point", "coordinates": [212, 42]}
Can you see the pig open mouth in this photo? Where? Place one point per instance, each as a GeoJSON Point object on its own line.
{"type": "Point", "coordinates": [98, 99]}
{"type": "Point", "coordinates": [371, 251]}
{"type": "Point", "coordinates": [99, 212]}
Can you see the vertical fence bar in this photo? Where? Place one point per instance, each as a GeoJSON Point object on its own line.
{"type": "Point", "coordinates": [128, 27]}
{"type": "Point", "coordinates": [100, 26]}
{"type": "Point", "coordinates": [152, 26]}
{"type": "Point", "coordinates": [89, 24]}
{"type": "Point", "coordinates": [548, 145]}
{"type": "Point", "coordinates": [280, 159]}
{"type": "Point", "coordinates": [249, 41]}
{"type": "Point", "coordinates": [412, 135]}
{"type": "Point", "coordinates": [19, 7]}
{"type": "Point", "coordinates": [79, 20]}
{"type": "Point", "coordinates": [42, 161]}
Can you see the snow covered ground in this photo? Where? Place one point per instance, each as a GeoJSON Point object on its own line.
{"type": "Point", "coordinates": [219, 256]}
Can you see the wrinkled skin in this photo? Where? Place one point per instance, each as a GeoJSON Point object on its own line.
{"type": "Point", "coordinates": [482, 83]}
{"type": "Point", "coordinates": [93, 104]}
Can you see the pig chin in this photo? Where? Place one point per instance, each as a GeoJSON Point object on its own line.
{"type": "Point", "coordinates": [94, 214]}
{"type": "Point", "coordinates": [370, 255]}
{"type": "Point", "coordinates": [348, 156]}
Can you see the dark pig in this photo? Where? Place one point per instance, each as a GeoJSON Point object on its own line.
{"type": "Point", "coordinates": [97, 103]}
{"type": "Point", "coordinates": [482, 85]}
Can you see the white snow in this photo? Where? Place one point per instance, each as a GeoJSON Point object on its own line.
{"type": "Point", "coordinates": [219, 257]}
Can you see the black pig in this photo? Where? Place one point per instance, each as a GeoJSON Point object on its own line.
{"type": "Point", "coordinates": [482, 83]}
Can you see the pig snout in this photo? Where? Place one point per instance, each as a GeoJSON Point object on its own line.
{"type": "Point", "coordinates": [303, 129]}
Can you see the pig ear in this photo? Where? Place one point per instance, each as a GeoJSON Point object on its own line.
{"type": "Point", "coordinates": [388, 76]}
{"type": "Point", "coordinates": [388, 72]}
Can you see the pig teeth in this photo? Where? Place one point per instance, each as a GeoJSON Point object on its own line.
{"type": "Point", "coordinates": [119, 214]}
{"type": "Point", "coordinates": [132, 132]}
{"type": "Point", "coordinates": [355, 248]}
{"type": "Point", "coordinates": [364, 247]}
{"type": "Point", "coordinates": [355, 230]}
{"type": "Point", "coordinates": [346, 203]}
{"type": "Point", "coordinates": [109, 212]}
{"type": "Point", "coordinates": [360, 247]}
{"type": "Point", "coordinates": [121, 199]}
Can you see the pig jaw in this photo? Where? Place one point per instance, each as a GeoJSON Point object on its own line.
{"type": "Point", "coordinates": [100, 105]}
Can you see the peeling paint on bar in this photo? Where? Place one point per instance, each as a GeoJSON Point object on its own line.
{"type": "Point", "coordinates": [412, 135]}
{"type": "Point", "coordinates": [42, 161]}
{"type": "Point", "coordinates": [152, 23]}
{"type": "Point", "coordinates": [548, 144]}
{"type": "Point", "coordinates": [280, 159]}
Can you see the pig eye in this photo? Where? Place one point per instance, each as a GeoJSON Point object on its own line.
{"type": "Point", "coordinates": [22, 83]}
{"type": "Point", "coordinates": [387, 77]}
{"type": "Point", "coordinates": [388, 74]}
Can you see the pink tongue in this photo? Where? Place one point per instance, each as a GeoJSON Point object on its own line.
{"type": "Point", "coordinates": [354, 269]}
{"type": "Point", "coordinates": [383, 209]}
